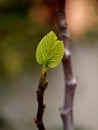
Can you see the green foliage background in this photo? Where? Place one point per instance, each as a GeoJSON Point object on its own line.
{"type": "Point", "coordinates": [18, 41]}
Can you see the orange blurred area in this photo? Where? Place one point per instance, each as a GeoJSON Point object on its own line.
{"type": "Point", "coordinates": [82, 15]}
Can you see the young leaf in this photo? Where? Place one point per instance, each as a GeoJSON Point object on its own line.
{"type": "Point", "coordinates": [50, 51]}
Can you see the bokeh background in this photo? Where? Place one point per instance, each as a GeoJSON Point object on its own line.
{"type": "Point", "coordinates": [22, 25]}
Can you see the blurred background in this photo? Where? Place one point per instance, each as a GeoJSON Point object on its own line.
{"type": "Point", "coordinates": [22, 25]}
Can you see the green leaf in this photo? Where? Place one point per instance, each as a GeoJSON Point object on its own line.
{"type": "Point", "coordinates": [50, 51]}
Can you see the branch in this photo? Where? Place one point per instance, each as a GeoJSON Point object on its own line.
{"type": "Point", "coordinates": [40, 98]}
{"type": "Point", "coordinates": [70, 85]}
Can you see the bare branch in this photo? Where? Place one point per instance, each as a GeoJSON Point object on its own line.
{"type": "Point", "coordinates": [40, 98]}
{"type": "Point", "coordinates": [67, 110]}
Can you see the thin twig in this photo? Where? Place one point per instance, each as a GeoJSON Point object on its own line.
{"type": "Point", "coordinates": [40, 98]}
{"type": "Point", "coordinates": [70, 85]}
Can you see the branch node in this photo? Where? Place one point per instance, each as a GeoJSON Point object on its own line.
{"type": "Point", "coordinates": [42, 86]}
{"type": "Point", "coordinates": [67, 53]}
{"type": "Point", "coordinates": [63, 23]}
{"type": "Point", "coordinates": [64, 112]}
{"type": "Point", "coordinates": [64, 33]}
{"type": "Point", "coordinates": [39, 92]}
{"type": "Point", "coordinates": [44, 106]}
{"type": "Point", "coordinates": [38, 122]}
{"type": "Point", "coordinates": [72, 82]}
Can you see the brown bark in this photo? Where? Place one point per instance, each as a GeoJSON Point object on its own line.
{"type": "Point", "coordinates": [40, 98]}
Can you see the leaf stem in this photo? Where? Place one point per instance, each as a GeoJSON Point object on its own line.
{"type": "Point", "coordinates": [43, 74]}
